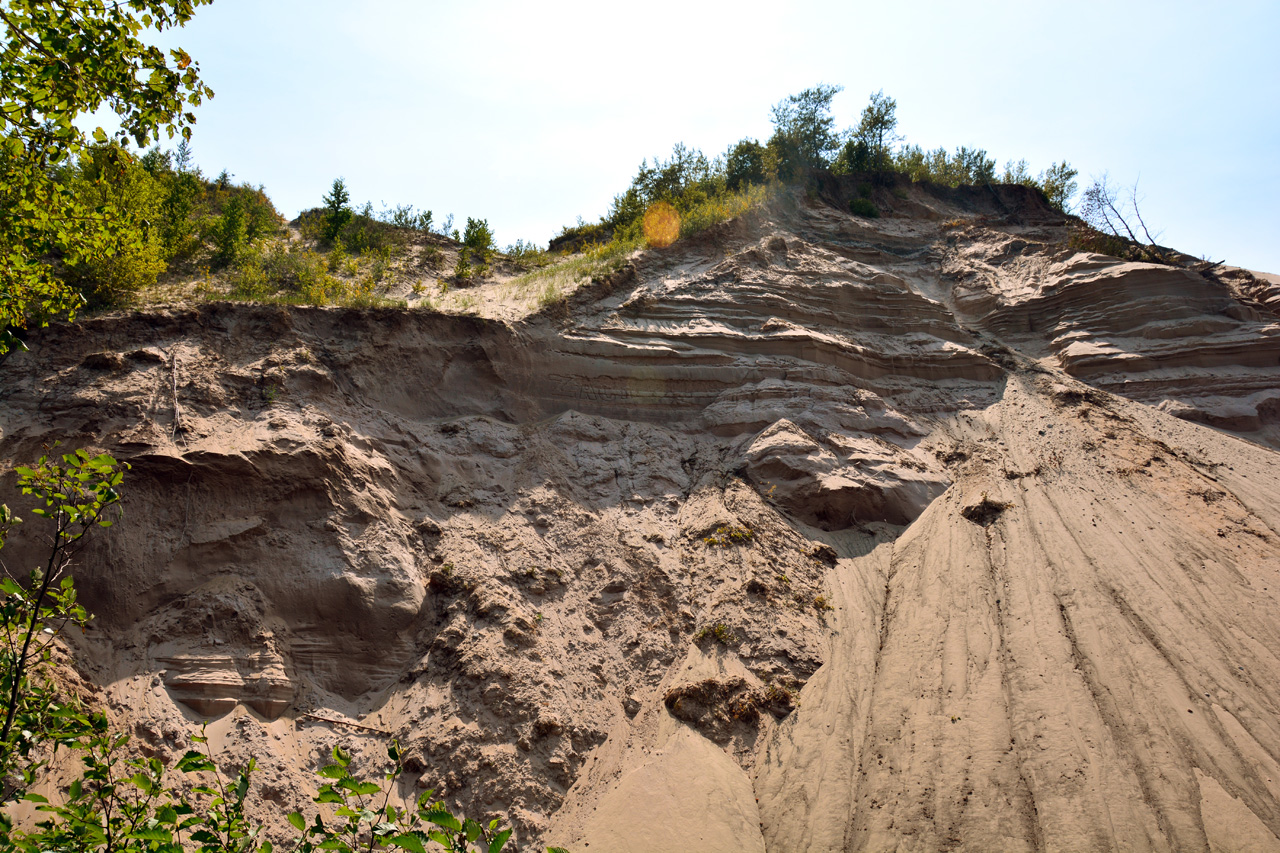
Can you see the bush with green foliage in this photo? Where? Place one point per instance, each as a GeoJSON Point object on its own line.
{"type": "Point", "coordinates": [178, 231]}
{"type": "Point", "coordinates": [1058, 183]}
{"type": "Point", "coordinates": [477, 241]}
{"type": "Point", "coordinates": [403, 216]}
{"type": "Point", "coordinates": [246, 215]}
{"type": "Point", "coordinates": [526, 255]}
{"type": "Point", "coordinates": [131, 255]}
{"type": "Point", "coordinates": [864, 207]}
{"type": "Point", "coordinates": [966, 167]}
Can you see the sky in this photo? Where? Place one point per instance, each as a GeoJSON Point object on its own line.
{"type": "Point", "coordinates": [530, 115]}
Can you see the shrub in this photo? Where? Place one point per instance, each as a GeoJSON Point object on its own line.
{"type": "Point", "coordinates": [864, 207]}
{"type": "Point", "coordinates": [229, 233]}
{"type": "Point", "coordinates": [178, 232]}
{"type": "Point", "coordinates": [363, 233]}
{"type": "Point", "coordinates": [402, 216]}
{"type": "Point", "coordinates": [381, 261]}
{"type": "Point", "coordinates": [478, 239]}
{"type": "Point", "coordinates": [573, 237]}
{"type": "Point", "coordinates": [122, 192]}
{"type": "Point", "coordinates": [1058, 184]}
{"type": "Point", "coordinates": [526, 255]}
{"type": "Point", "coordinates": [462, 269]}
{"type": "Point", "coordinates": [337, 257]}
{"type": "Point", "coordinates": [113, 278]}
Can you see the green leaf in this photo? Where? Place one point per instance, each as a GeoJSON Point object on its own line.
{"type": "Point", "coordinates": [196, 762]}
{"type": "Point", "coordinates": [297, 820]}
{"type": "Point", "coordinates": [414, 842]}
{"type": "Point", "coordinates": [499, 841]}
{"type": "Point", "coordinates": [152, 833]}
{"type": "Point", "coordinates": [361, 789]}
{"type": "Point", "coordinates": [441, 817]}
{"type": "Point", "coordinates": [332, 771]}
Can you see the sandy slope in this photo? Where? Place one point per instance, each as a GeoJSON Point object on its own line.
{"type": "Point", "coordinates": [810, 533]}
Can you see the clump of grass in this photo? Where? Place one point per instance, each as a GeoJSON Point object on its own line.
{"type": "Point", "coordinates": [551, 295]}
{"type": "Point", "coordinates": [726, 535]}
{"type": "Point", "coordinates": [550, 284]}
{"type": "Point", "coordinates": [719, 632]}
{"type": "Point", "coordinates": [721, 208]}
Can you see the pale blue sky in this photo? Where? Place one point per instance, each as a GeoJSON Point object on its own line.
{"type": "Point", "coordinates": [531, 114]}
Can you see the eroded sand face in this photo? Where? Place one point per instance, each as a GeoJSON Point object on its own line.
{"type": "Point", "coordinates": [811, 533]}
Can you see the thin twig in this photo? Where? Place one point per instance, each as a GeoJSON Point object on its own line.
{"type": "Point", "coordinates": [344, 723]}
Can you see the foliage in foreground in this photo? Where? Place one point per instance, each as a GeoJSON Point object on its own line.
{"type": "Point", "coordinates": [64, 59]}
{"type": "Point", "coordinates": [123, 802]}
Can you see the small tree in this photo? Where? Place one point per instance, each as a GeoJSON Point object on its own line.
{"type": "Point", "coordinates": [75, 496]}
{"type": "Point", "coordinates": [877, 130]}
{"type": "Point", "coordinates": [337, 211]}
{"type": "Point", "coordinates": [1058, 182]}
{"type": "Point", "coordinates": [804, 132]}
{"type": "Point", "coordinates": [744, 164]}
{"type": "Point", "coordinates": [478, 242]}
{"type": "Point", "coordinates": [1106, 211]}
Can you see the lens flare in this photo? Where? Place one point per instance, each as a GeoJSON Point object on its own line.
{"type": "Point", "coordinates": [661, 225]}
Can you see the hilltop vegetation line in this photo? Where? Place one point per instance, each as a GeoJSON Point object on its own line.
{"type": "Point", "coordinates": [805, 140]}
{"type": "Point", "coordinates": [161, 216]}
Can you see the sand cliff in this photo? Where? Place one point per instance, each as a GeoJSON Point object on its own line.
{"type": "Point", "coordinates": [811, 532]}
